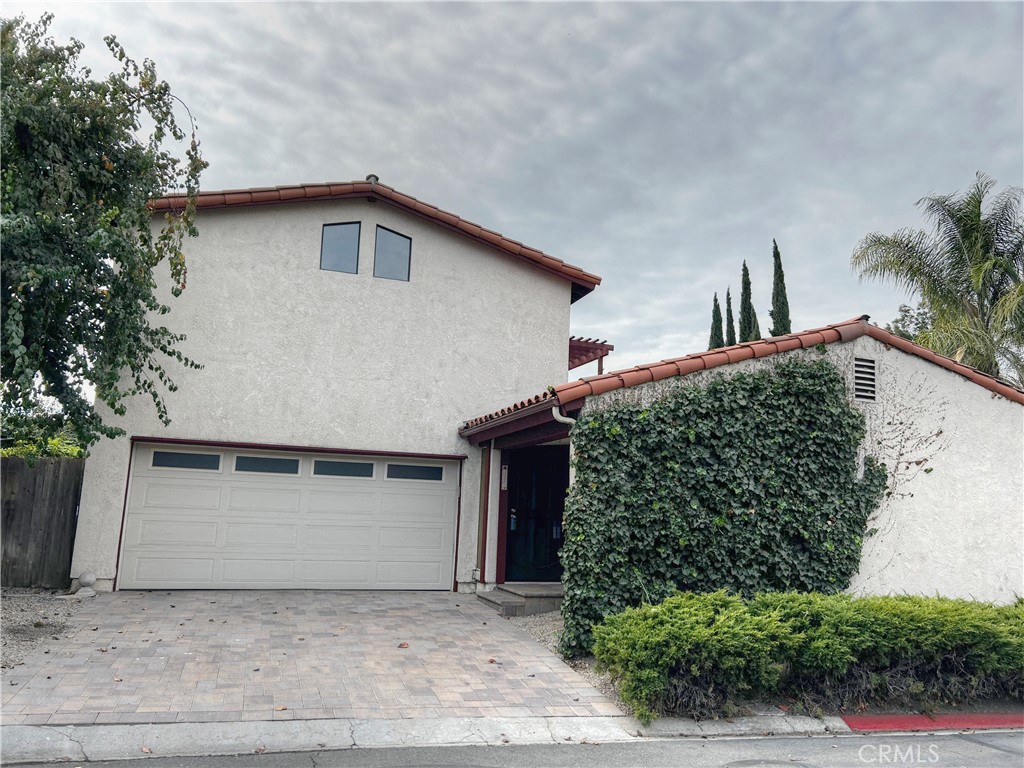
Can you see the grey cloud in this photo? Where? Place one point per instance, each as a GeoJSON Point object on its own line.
{"type": "Point", "coordinates": [658, 145]}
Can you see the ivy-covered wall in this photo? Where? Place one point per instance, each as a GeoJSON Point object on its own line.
{"type": "Point", "coordinates": [748, 483]}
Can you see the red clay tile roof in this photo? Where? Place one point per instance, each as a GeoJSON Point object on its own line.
{"type": "Point", "coordinates": [574, 391]}
{"type": "Point", "coordinates": [583, 351]}
{"type": "Point", "coordinates": [583, 282]}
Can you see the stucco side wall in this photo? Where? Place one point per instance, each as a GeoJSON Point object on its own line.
{"type": "Point", "coordinates": [953, 523]}
{"type": "Point", "coordinates": [296, 355]}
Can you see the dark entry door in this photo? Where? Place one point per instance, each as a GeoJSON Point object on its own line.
{"type": "Point", "coordinates": [537, 481]}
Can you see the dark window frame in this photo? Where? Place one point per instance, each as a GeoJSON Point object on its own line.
{"type": "Point", "coordinates": [359, 235]}
{"type": "Point", "coordinates": [408, 270]}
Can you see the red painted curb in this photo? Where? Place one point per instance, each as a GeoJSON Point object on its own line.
{"type": "Point", "coordinates": [953, 721]}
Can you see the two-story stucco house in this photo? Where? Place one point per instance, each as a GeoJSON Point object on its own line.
{"type": "Point", "coordinates": [345, 332]}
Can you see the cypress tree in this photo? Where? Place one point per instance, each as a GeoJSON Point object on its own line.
{"type": "Point", "coordinates": [749, 329]}
{"type": "Point", "coordinates": [780, 303]}
{"type": "Point", "coordinates": [730, 325]}
{"type": "Point", "coordinates": [716, 340]}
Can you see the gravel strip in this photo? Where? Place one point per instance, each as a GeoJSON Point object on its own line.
{"type": "Point", "coordinates": [32, 619]}
{"type": "Point", "coordinates": [546, 629]}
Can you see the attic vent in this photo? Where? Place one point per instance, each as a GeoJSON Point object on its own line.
{"type": "Point", "coordinates": [863, 379]}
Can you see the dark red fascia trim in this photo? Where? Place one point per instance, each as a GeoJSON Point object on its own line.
{"type": "Point", "coordinates": [458, 527]}
{"type": "Point", "coordinates": [295, 448]}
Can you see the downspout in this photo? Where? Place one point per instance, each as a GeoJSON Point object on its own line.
{"type": "Point", "coordinates": [556, 414]}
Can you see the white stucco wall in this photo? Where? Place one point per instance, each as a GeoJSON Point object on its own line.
{"type": "Point", "coordinates": [297, 355]}
{"type": "Point", "coordinates": [953, 523]}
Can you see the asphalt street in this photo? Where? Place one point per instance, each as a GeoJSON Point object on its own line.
{"type": "Point", "coordinates": [992, 749]}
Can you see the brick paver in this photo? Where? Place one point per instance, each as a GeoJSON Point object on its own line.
{"type": "Point", "coordinates": [202, 656]}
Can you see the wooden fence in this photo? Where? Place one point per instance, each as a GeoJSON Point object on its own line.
{"type": "Point", "coordinates": [37, 521]}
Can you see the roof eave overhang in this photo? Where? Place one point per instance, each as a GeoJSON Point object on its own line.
{"type": "Point", "coordinates": [525, 418]}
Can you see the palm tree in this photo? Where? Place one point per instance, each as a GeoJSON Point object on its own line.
{"type": "Point", "coordinates": [969, 273]}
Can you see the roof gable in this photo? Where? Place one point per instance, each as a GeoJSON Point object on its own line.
{"type": "Point", "coordinates": [845, 331]}
{"type": "Point", "coordinates": [574, 393]}
{"type": "Point", "coordinates": [582, 282]}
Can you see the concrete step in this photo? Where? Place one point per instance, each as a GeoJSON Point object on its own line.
{"type": "Point", "coordinates": [524, 598]}
{"type": "Point", "coordinates": [505, 603]}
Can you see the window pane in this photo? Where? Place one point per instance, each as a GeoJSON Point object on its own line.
{"type": "Point", "coordinates": [414, 472]}
{"type": "Point", "coordinates": [391, 255]}
{"type": "Point", "coordinates": [186, 460]}
{"type": "Point", "coordinates": [339, 248]}
{"type": "Point", "coordinates": [266, 464]}
{"type": "Point", "coordinates": [343, 468]}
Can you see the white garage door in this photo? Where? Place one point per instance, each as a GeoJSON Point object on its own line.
{"type": "Point", "coordinates": [203, 518]}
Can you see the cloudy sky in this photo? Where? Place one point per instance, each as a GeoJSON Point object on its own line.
{"type": "Point", "coordinates": [657, 144]}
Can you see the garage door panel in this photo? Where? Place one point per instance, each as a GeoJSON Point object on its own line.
{"type": "Point", "coordinates": [264, 499]}
{"type": "Point", "coordinates": [188, 529]}
{"type": "Point", "coordinates": [153, 571]}
{"type": "Point", "coordinates": [400, 574]}
{"type": "Point", "coordinates": [342, 502]}
{"type": "Point", "coordinates": [413, 506]}
{"type": "Point", "coordinates": [339, 538]}
{"type": "Point", "coordinates": [349, 574]}
{"type": "Point", "coordinates": [250, 571]}
{"type": "Point", "coordinates": [180, 495]}
{"type": "Point", "coordinates": [164, 532]}
{"type": "Point", "coordinates": [421, 539]}
{"type": "Point", "coordinates": [265, 535]}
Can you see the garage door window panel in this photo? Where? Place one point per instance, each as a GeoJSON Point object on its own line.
{"type": "Point", "coordinates": [209, 462]}
{"type": "Point", "coordinates": [267, 465]}
{"type": "Point", "coordinates": [415, 472]}
{"type": "Point", "coordinates": [348, 469]}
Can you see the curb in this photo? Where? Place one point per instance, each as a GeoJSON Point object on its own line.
{"type": "Point", "coordinates": [47, 743]}
{"type": "Point", "coordinates": [755, 725]}
{"type": "Point", "coordinates": [954, 721]}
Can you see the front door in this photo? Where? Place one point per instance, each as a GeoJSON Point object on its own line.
{"type": "Point", "coordinates": [537, 482]}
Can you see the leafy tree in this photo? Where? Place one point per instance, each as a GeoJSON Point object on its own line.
{"type": "Point", "coordinates": [80, 251]}
{"type": "Point", "coordinates": [717, 340]}
{"type": "Point", "coordinates": [730, 325]}
{"type": "Point", "coordinates": [911, 321]}
{"type": "Point", "coordinates": [779, 312]}
{"type": "Point", "coordinates": [749, 329]}
{"type": "Point", "coordinates": [968, 273]}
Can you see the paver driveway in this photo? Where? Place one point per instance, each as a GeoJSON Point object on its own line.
{"type": "Point", "coordinates": [277, 655]}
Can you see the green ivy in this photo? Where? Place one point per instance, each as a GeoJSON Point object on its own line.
{"type": "Point", "coordinates": [748, 483]}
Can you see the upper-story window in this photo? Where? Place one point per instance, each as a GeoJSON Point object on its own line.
{"type": "Point", "coordinates": [339, 247]}
{"type": "Point", "coordinates": [391, 255]}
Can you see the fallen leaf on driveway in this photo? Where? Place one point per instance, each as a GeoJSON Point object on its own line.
{"type": "Point", "coordinates": [260, 750]}
{"type": "Point", "coordinates": [147, 750]}
{"type": "Point", "coordinates": [280, 709]}
{"type": "Point", "coordinates": [403, 645]}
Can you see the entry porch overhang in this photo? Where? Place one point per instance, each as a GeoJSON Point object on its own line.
{"type": "Point", "coordinates": [529, 422]}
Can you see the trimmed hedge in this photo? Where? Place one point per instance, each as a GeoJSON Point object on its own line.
{"type": "Point", "coordinates": [748, 483]}
{"type": "Point", "coordinates": [697, 654]}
